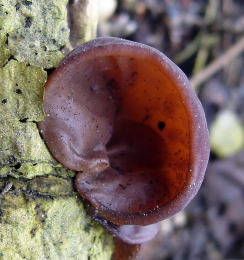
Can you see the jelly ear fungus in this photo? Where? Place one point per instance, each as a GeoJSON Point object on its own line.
{"type": "Point", "coordinates": [126, 118]}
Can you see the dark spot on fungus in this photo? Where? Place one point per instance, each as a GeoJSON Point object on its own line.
{"type": "Point", "coordinates": [4, 101]}
{"type": "Point", "coordinates": [131, 173]}
{"type": "Point", "coordinates": [122, 186]}
{"type": "Point", "coordinates": [28, 22]}
{"type": "Point", "coordinates": [161, 125]}
{"type": "Point", "coordinates": [134, 74]}
{"type": "Point", "coordinates": [18, 91]}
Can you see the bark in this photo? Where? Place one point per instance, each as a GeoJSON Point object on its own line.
{"type": "Point", "coordinates": [41, 215]}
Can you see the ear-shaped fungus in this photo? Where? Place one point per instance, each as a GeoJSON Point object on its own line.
{"type": "Point", "coordinates": [124, 116]}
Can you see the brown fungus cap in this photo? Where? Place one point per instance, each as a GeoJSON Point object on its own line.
{"type": "Point", "coordinates": [125, 116]}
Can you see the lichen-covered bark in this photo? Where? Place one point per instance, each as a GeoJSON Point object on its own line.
{"type": "Point", "coordinates": [33, 31]}
{"type": "Point", "coordinates": [44, 218]}
{"type": "Point", "coordinates": [22, 151]}
{"type": "Point", "coordinates": [41, 215]}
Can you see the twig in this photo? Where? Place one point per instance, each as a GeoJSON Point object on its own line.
{"type": "Point", "coordinates": [201, 59]}
{"type": "Point", "coordinates": [207, 42]}
{"type": "Point", "coordinates": [218, 64]}
{"type": "Point", "coordinates": [188, 51]}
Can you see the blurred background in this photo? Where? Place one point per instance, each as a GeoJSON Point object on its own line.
{"type": "Point", "coordinates": [206, 39]}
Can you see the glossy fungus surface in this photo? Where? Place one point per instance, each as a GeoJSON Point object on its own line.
{"type": "Point", "coordinates": [125, 117]}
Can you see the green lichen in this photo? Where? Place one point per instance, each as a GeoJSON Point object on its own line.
{"type": "Point", "coordinates": [22, 88]}
{"type": "Point", "coordinates": [33, 31]}
{"type": "Point", "coordinates": [22, 151]}
{"type": "Point", "coordinates": [4, 52]}
{"type": "Point", "coordinates": [6, 25]}
{"type": "Point", "coordinates": [44, 219]}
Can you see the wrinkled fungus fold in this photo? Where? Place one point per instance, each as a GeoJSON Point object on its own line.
{"type": "Point", "coordinates": [125, 118]}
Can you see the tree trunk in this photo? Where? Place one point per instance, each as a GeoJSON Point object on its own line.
{"type": "Point", "coordinates": [41, 215]}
